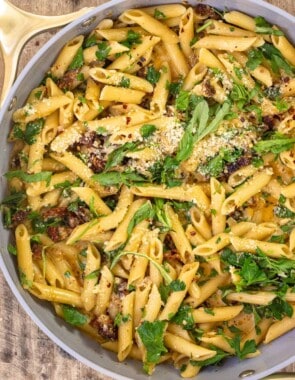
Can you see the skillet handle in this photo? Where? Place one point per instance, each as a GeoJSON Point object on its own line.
{"type": "Point", "coordinates": [280, 376]}
{"type": "Point", "coordinates": [16, 28]}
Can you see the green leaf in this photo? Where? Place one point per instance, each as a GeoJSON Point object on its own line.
{"type": "Point", "coordinates": [163, 172]}
{"type": "Point", "coordinates": [161, 215]}
{"type": "Point", "coordinates": [160, 267]}
{"type": "Point", "coordinates": [32, 129]}
{"type": "Point", "coordinates": [29, 178]}
{"type": "Point", "coordinates": [73, 316]}
{"type": "Point", "coordinates": [116, 156]}
{"type": "Point", "coordinates": [200, 116]}
{"type": "Point", "coordinates": [263, 27]}
{"type": "Point", "coordinates": [147, 130]}
{"type": "Point", "coordinates": [249, 346]}
{"type": "Point", "coordinates": [115, 178]}
{"type": "Point", "coordinates": [276, 59]}
{"type": "Point", "coordinates": [152, 75]}
{"type": "Point", "coordinates": [184, 317]}
{"type": "Point", "coordinates": [78, 60]}
{"type": "Point", "coordinates": [14, 199]}
{"type": "Point", "coordinates": [159, 15]}
{"type": "Point", "coordinates": [132, 38]}
{"type": "Point", "coordinates": [280, 308]}
{"type": "Point", "coordinates": [255, 58]}
{"type": "Point", "coordinates": [283, 212]}
{"type": "Point", "coordinates": [220, 355]}
{"type": "Point", "coordinates": [182, 100]}
{"type": "Point", "coordinates": [120, 319]}
{"type": "Point", "coordinates": [103, 51]}
{"type": "Point", "coordinates": [214, 124]}
{"type": "Point", "coordinates": [152, 336]}
{"type": "Point", "coordinates": [90, 41]}
{"type": "Point", "coordinates": [204, 26]}
{"type": "Point", "coordinates": [12, 249]}
{"type": "Point", "coordinates": [125, 82]}
{"type": "Point", "coordinates": [174, 87]}
{"type": "Point", "coordinates": [276, 144]}
{"type": "Point", "coordinates": [93, 275]}
{"type": "Point", "coordinates": [146, 211]}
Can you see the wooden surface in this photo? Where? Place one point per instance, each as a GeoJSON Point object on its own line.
{"type": "Point", "coordinates": [25, 352]}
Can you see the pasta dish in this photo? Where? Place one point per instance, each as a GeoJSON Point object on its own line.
{"type": "Point", "coordinates": [152, 185]}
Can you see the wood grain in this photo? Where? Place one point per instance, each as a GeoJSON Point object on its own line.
{"type": "Point", "coordinates": [25, 352]}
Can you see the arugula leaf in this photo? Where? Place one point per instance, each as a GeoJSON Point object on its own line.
{"type": "Point", "coordinates": [263, 27]}
{"type": "Point", "coordinates": [161, 215]}
{"type": "Point", "coordinates": [152, 337]}
{"type": "Point", "coordinates": [214, 124]}
{"type": "Point", "coordinates": [204, 26]}
{"type": "Point", "coordinates": [182, 100]}
{"type": "Point", "coordinates": [249, 346]}
{"type": "Point", "coordinates": [29, 178]}
{"type": "Point", "coordinates": [146, 211]}
{"type": "Point", "coordinates": [73, 316]}
{"type": "Point", "coordinates": [14, 199]}
{"type": "Point", "coordinates": [184, 317]}
{"type": "Point", "coordinates": [160, 267]}
{"type": "Point", "coordinates": [276, 59]}
{"type": "Point", "coordinates": [147, 130]}
{"type": "Point", "coordinates": [276, 144]}
{"type": "Point", "coordinates": [78, 60]}
{"type": "Point", "coordinates": [220, 355]}
{"type": "Point", "coordinates": [115, 178]}
{"type": "Point", "coordinates": [186, 145]}
{"type": "Point", "coordinates": [163, 172]}
{"type": "Point", "coordinates": [116, 156]}
{"type": "Point", "coordinates": [216, 165]}
{"type": "Point", "coordinates": [92, 275]}
{"type": "Point", "coordinates": [152, 75]}
{"type": "Point", "coordinates": [103, 50]}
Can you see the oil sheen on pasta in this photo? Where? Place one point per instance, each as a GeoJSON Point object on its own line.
{"type": "Point", "coordinates": [152, 185]}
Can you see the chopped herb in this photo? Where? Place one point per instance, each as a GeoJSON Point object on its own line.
{"type": "Point", "coordinates": [277, 61]}
{"type": "Point", "coordinates": [208, 311]}
{"type": "Point", "coordinates": [67, 274]}
{"type": "Point", "coordinates": [78, 60]}
{"type": "Point", "coordinates": [38, 94]}
{"type": "Point", "coordinates": [263, 27]}
{"type": "Point", "coordinates": [159, 15]}
{"type": "Point", "coordinates": [125, 82]}
{"type": "Point", "coordinates": [215, 166]}
{"type": "Point", "coordinates": [80, 77]}
{"type": "Point", "coordinates": [152, 336]}
{"type": "Point", "coordinates": [255, 58]}
{"type": "Point", "coordinates": [184, 317]}
{"type": "Point", "coordinates": [90, 41]}
{"type": "Point", "coordinates": [12, 249]}
{"type": "Point", "coordinates": [161, 215]}
{"type": "Point", "coordinates": [282, 105]}
{"type": "Point", "coordinates": [101, 131]}
{"type": "Point", "coordinates": [249, 346]}
{"type": "Point", "coordinates": [216, 359]}
{"type": "Point", "coordinates": [32, 129]}
{"type": "Point", "coordinates": [120, 319]}
{"type": "Point", "coordinates": [283, 212]}
{"type": "Point", "coordinates": [174, 87]}
{"type": "Point", "coordinates": [14, 199]}
{"type": "Point", "coordinates": [73, 316]}
{"type": "Point", "coordinates": [257, 161]}
{"type": "Point", "coordinates": [82, 99]}
{"type": "Point", "coordinates": [103, 51]}
{"type": "Point", "coordinates": [147, 130]}
{"type": "Point", "coordinates": [152, 75]}
{"type": "Point", "coordinates": [132, 38]}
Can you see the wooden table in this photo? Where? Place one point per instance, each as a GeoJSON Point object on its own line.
{"type": "Point", "coordinates": [25, 352]}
